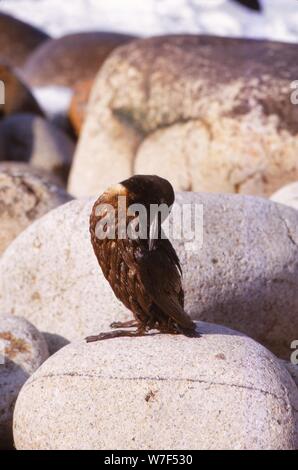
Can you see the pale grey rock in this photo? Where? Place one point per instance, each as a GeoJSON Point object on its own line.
{"type": "Point", "coordinates": [220, 391]}
{"type": "Point", "coordinates": [243, 276]}
{"type": "Point", "coordinates": [20, 168]}
{"type": "Point", "coordinates": [24, 197]}
{"type": "Point", "coordinates": [22, 350]}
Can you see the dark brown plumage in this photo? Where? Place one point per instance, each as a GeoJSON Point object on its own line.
{"type": "Point", "coordinates": [145, 275]}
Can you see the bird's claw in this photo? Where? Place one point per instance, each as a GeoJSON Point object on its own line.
{"type": "Point", "coordinates": [93, 339]}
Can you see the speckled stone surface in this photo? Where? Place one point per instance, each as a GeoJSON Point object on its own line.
{"type": "Point", "coordinates": [24, 197]}
{"type": "Point", "coordinates": [24, 349]}
{"type": "Point", "coordinates": [20, 168]}
{"type": "Point", "coordinates": [159, 107]}
{"type": "Point", "coordinates": [220, 391]}
{"type": "Point", "coordinates": [293, 371]}
{"type": "Point", "coordinates": [244, 276]}
{"type": "Point", "coordinates": [287, 195]}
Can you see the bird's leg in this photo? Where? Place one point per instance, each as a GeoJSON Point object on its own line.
{"type": "Point", "coordinates": [125, 324]}
{"type": "Point", "coordinates": [172, 329]}
{"type": "Point", "coordinates": [116, 334]}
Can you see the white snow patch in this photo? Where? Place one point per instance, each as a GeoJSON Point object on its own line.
{"type": "Point", "coordinates": [278, 21]}
{"type": "Point", "coordinates": [53, 100]}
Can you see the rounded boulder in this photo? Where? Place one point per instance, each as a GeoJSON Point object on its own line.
{"type": "Point", "coordinates": [22, 350]}
{"type": "Point", "coordinates": [19, 168]}
{"type": "Point", "coordinates": [18, 40]}
{"type": "Point", "coordinates": [243, 273]}
{"type": "Point", "coordinates": [71, 58]}
{"type": "Point", "coordinates": [221, 390]}
{"type": "Point", "coordinates": [159, 107]}
{"type": "Point", "coordinates": [24, 197]}
{"type": "Point", "coordinates": [29, 138]}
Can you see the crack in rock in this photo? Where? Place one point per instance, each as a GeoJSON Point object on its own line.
{"type": "Point", "coordinates": [167, 379]}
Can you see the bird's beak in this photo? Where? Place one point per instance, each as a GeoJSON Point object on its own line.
{"type": "Point", "coordinates": [153, 233]}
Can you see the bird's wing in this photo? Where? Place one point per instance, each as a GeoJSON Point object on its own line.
{"type": "Point", "coordinates": [159, 274]}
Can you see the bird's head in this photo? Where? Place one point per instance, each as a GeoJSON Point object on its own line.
{"type": "Point", "coordinates": [149, 189]}
{"type": "Point", "coordinates": [153, 193]}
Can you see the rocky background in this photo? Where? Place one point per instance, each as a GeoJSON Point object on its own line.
{"type": "Point", "coordinates": [208, 102]}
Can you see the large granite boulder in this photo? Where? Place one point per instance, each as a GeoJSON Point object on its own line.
{"type": "Point", "coordinates": [219, 391]}
{"type": "Point", "coordinates": [208, 113]}
{"type": "Point", "coordinates": [244, 275]}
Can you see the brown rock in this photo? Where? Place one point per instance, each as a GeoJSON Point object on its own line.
{"type": "Point", "coordinates": [78, 106]}
{"type": "Point", "coordinates": [71, 58]}
{"type": "Point", "coordinates": [18, 40]}
{"type": "Point", "coordinates": [18, 97]}
{"type": "Point", "coordinates": [208, 113]}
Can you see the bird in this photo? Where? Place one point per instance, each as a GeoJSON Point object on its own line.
{"type": "Point", "coordinates": [143, 270]}
{"type": "Point", "coordinates": [251, 4]}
